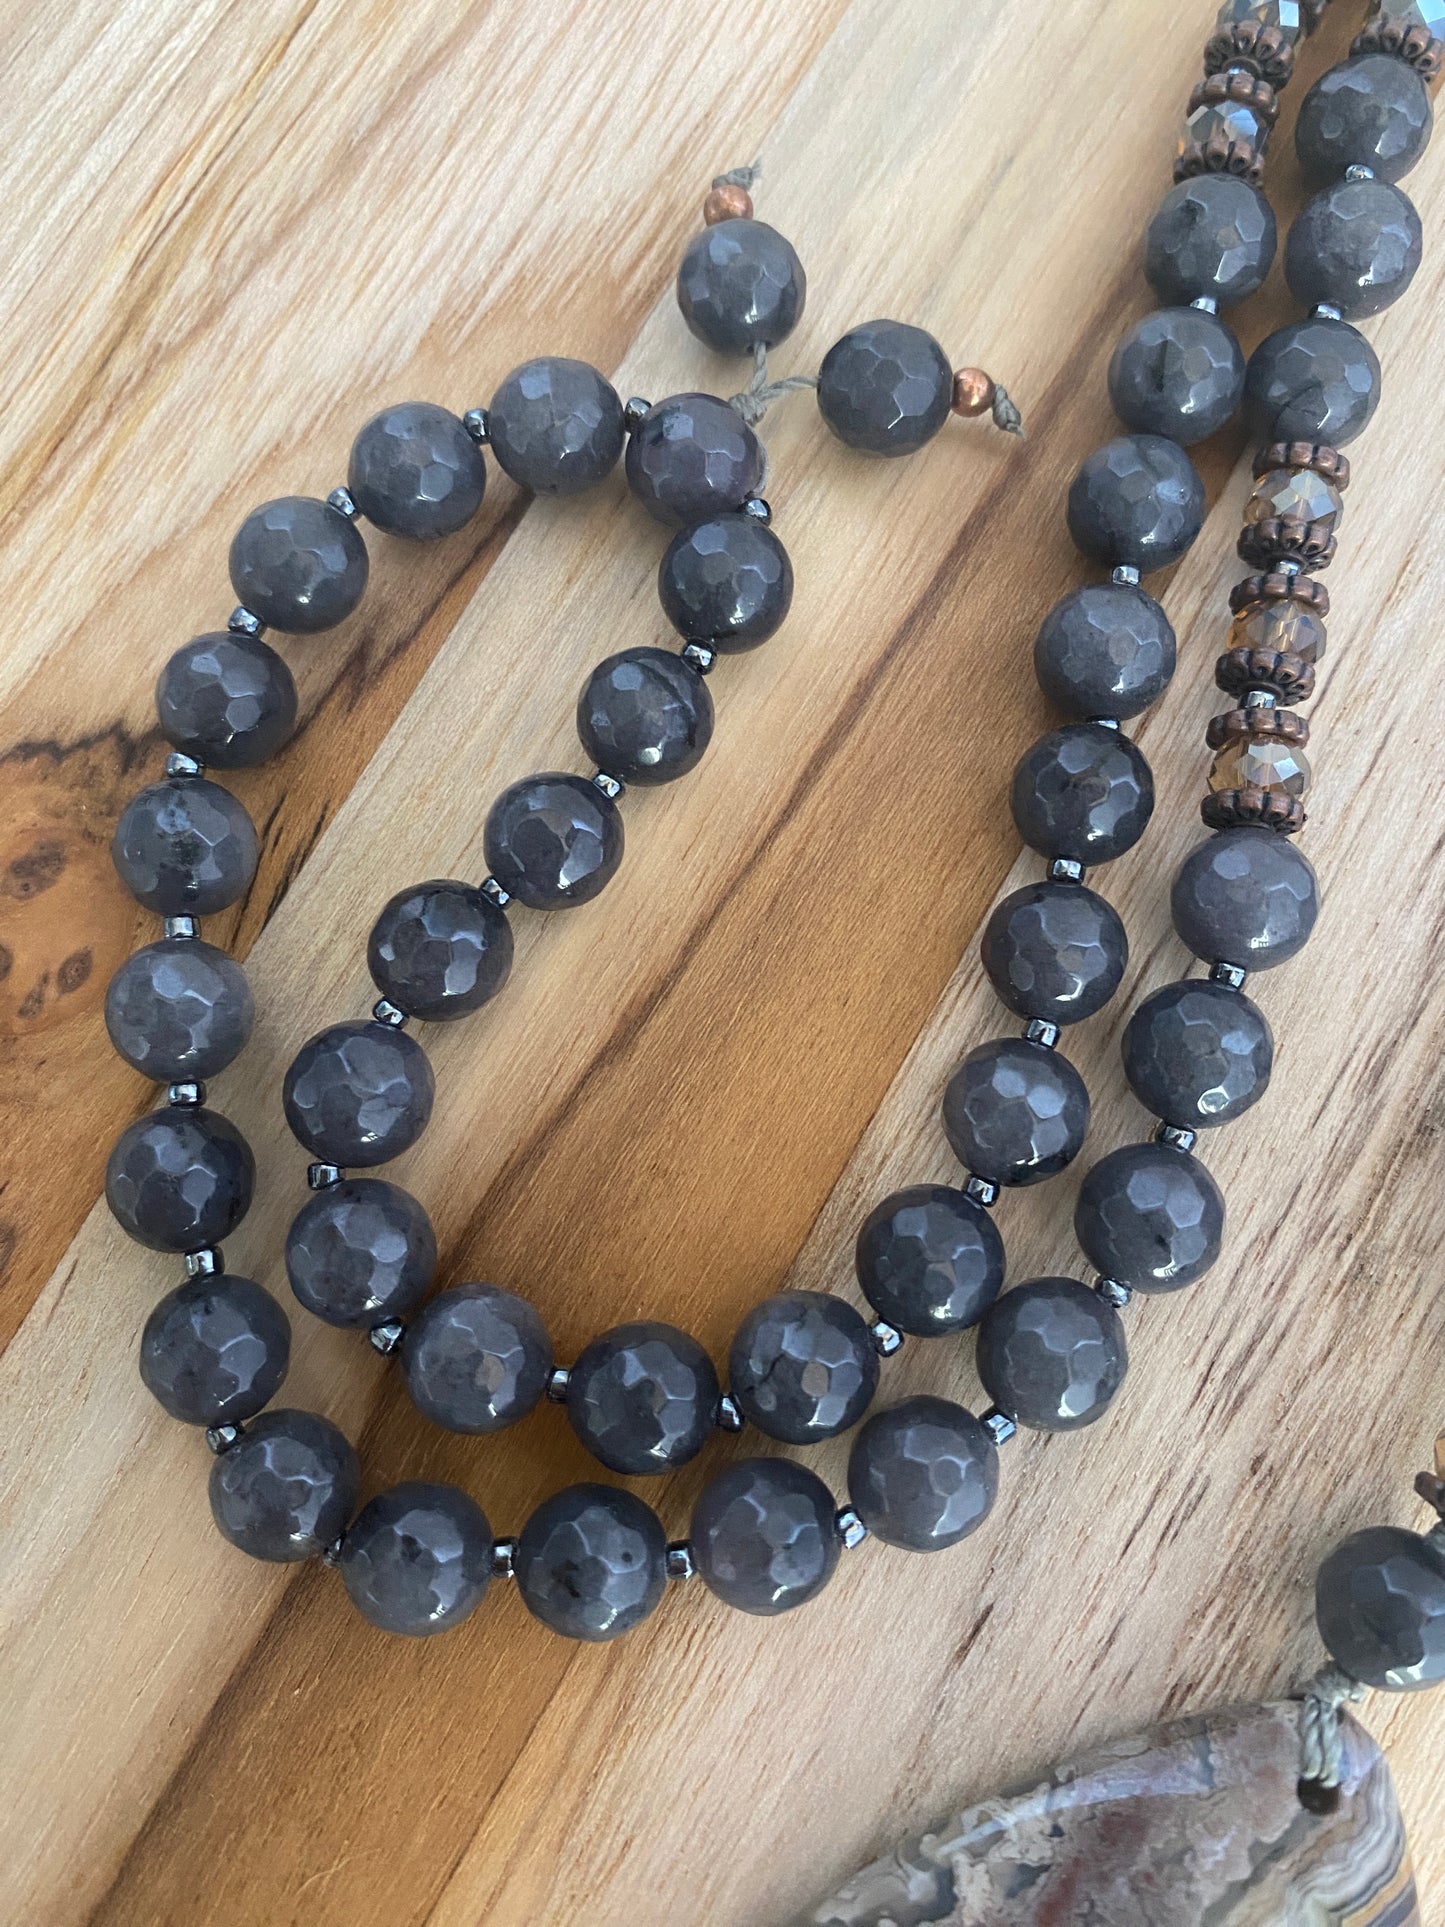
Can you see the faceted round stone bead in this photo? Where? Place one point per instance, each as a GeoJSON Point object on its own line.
{"type": "Point", "coordinates": [1106, 649]}
{"type": "Point", "coordinates": [591, 1562]}
{"type": "Point", "coordinates": [417, 1559]}
{"type": "Point", "coordinates": [416, 472]}
{"type": "Point", "coordinates": [439, 950]}
{"type": "Point", "coordinates": [299, 564]}
{"type": "Point", "coordinates": [1179, 372]}
{"type": "Point", "coordinates": [643, 1397]}
{"type": "Point", "coordinates": [286, 1488]}
{"type": "Point", "coordinates": [727, 583]}
{"type": "Point", "coordinates": [178, 1009]}
{"type": "Point", "coordinates": [1260, 763]}
{"type": "Point", "coordinates": [923, 1474]}
{"type": "Point", "coordinates": [1279, 626]}
{"type": "Point", "coordinates": [1295, 494]}
{"type": "Point", "coordinates": [1246, 897]}
{"type": "Point", "coordinates": [692, 457]}
{"type": "Point", "coordinates": [476, 1358]}
{"type": "Point", "coordinates": [1212, 237]}
{"type": "Point", "coordinates": [185, 847]}
{"type": "Point", "coordinates": [215, 1350]}
{"type": "Point", "coordinates": [1198, 1053]}
{"type": "Point", "coordinates": [1015, 1112]}
{"type": "Point", "coordinates": [1380, 1607]}
{"type": "Point", "coordinates": [1055, 951]}
{"type": "Point", "coordinates": [360, 1252]}
{"type": "Point", "coordinates": [553, 840]}
{"type": "Point", "coordinates": [1136, 503]}
{"type": "Point", "coordinates": [556, 426]}
{"type": "Point", "coordinates": [180, 1179]}
{"type": "Point", "coordinates": [803, 1366]}
{"type": "Point", "coordinates": [1150, 1217]}
{"type": "Point", "coordinates": [1372, 111]}
{"type": "Point", "coordinates": [1051, 1354]}
{"type": "Point", "coordinates": [1356, 245]}
{"type": "Point", "coordinates": [1084, 791]}
{"type": "Point", "coordinates": [1285, 16]}
{"type": "Point", "coordinates": [645, 716]}
{"type": "Point", "coordinates": [929, 1260]}
{"type": "Point", "coordinates": [886, 388]}
{"type": "Point", "coordinates": [358, 1093]}
{"type": "Point", "coordinates": [763, 1535]}
{"type": "Point", "coordinates": [228, 700]}
{"type": "Point", "coordinates": [741, 283]}
{"type": "Point", "coordinates": [1312, 381]}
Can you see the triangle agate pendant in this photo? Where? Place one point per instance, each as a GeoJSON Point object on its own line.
{"type": "Point", "coordinates": [1193, 1824]}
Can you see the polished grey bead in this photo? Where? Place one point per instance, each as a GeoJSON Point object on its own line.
{"type": "Point", "coordinates": [1197, 1053]}
{"type": "Point", "coordinates": [1052, 1354]}
{"type": "Point", "coordinates": [416, 472]}
{"type": "Point", "coordinates": [439, 950]}
{"type": "Point", "coordinates": [1179, 372]}
{"type": "Point", "coordinates": [1137, 501]}
{"type": "Point", "coordinates": [1150, 1217]}
{"type": "Point", "coordinates": [727, 582]}
{"type": "Point", "coordinates": [555, 426]}
{"type": "Point", "coordinates": [1210, 238]}
{"type": "Point", "coordinates": [763, 1535]}
{"type": "Point", "coordinates": [741, 283]}
{"type": "Point", "coordinates": [1312, 381]}
{"type": "Point", "coordinates": [645, 716]}
{"type": "Point", "coordinates": [929, 1260]}
{"type": "Point", "coordinates": [228, 700]}
{"type": "Point", "coordinates": [1083, 791]}
{"type": "Point", "coordinates": [360, 1251]}
{"type": "Point", "coordinates": [358, 1093]}
{"type": "Point", "coordinates": [180, 1178]}
{"type": "Point", "coordinates": [1106, 649]}
{"type": "Point", "coordinates": [299, 564]}
{"type": "Point", "coordinates": [923, 1474]}
{"type": "Point", "coordinates": [1372, 111]}
{"type": "Point", "coordinates": [886, 388]}
{"type": "Point", "coordinates": [1014, 1112]}
{"type": "Point", "coordinates": [215, 1350]}
{"type": "Point", "coordinates": [179, 1008]}
{"type": "Point", "coordinates": [1356, 246]}
{"type": "Point", "coordinates": [591, 1562]}
{"type": "Point", "coordinates": [1380, 1606]}
{"type": "Point", "coordinates": [691, 458]}
{"type": "Point", "coordinates": [185, 845]}
{"type": "Point", "coordinates": [553, 840]}
{"type": "Point", "coordinates": [476, 1358]}
{"type": "Point", "coordinates": [1055, 950]}
{"type": "Point", "coordinates": [1247, 896]}
{"type": "Point", "coordinates": [417, 1558]}
{"type": "Point", "coordinates": [643, 1397]}
{"type": "Point", "coordinates": [286, 1488]}
{"type": "Point", "coordinates": [802, 1366]}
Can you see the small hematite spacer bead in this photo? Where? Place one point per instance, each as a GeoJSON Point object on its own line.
{"type": "Point", "coordinates": [679, 1563]}
{"type": "Point", "coordinates": [758, 509]}
{"type": "Point", "coordinates": [205, 1262]}
{"type": "Point", "coordinates": [633, 410]}
{"type": "Point", "coordinates": [1177, 1136]}
{"type": "Point", "coordinates": [1113, 1293]}
{"type": "Point", "coordinates": [1261, 699]}
{"type": "Point", "coordinates": [332, 1555]}
{"type": "Point", "coordinates": [384, 1011]}
{"type": "Point", "coordinates": [557, 1385]}
{"type": "Point", "coordinates": [1325, 311]}
{"type": "Point", "coordinates": [1359, 172]}
{"type": "Point", "coordinates": [385, 1337]}
{"type": "Point", "coordinates": [1041, 1031]}
{"type": "Point", "coordinates": [321, 1177]}
{"type": "Point", "coordinates": [887, 1339]}
{"type": "Point", "coordinates": [982, 1190]}
{"type": "Point", "coordinates": [999, 1426]}
{"type": "Point", "coordinates": [504, 1559]}
{"type": "Point", "coordinates": [244, 622]}
{"type": "Point", "coordinates": [849, 1527]}
{"type": "Point", "coordinates": [475, 423]}
{"type": "Point", "coordinates": [1228, 974]}
{"type": "Point", "coordinates": [1104, 722]}
{"type": "Point", "coordinates": [179, 764]}
{"type": "Point", "coordinates": [494, 893]}
{"type": "Point", "coordinates": [181, 929]}
{"type": "Point", "coordinates": [221, 1438]}
{"type": "Point", "coordinates": [1126, 576]}
{"type": "Point", "coordinates": [729, 1418]}
{"type": "Point", "coordinates": [700, 656]}
{"type": "Point", "coordinates": [1206, 304]}
{"type": "Point", "coordinates": [187, 1094]}
{"type": "Point", "coordinates": [340, 499]}
{"type": "Point", "coordinates": [1065, 869]}
{"type": "Point", "coordinates": [611, 786]}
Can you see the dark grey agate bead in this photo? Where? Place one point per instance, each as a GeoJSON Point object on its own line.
{"type": "Point", "coordinates": [1312, 381]}
{"type": "Point", "coordinates": [228, 700]}
{"type": "Point", "coordinates": [763, 1535]}
{"type": "Point", "coordinates": [1150, 1217]}
{"type": "Point", "coordinates": [553, 840]}
{"type": "Point", "coordinates": [185, 847]}
{"type": "Point", "coordinates": [803, 1366]}
{"type": "Point", "coordinates": [1211, 238]}
{"type": "Point", "coordinates": [741, 283]}
{"type": "Point", "coordinates": [923, 1474]}
{"type": "Point", "coordinates": [1380, 1606]}
{"type": "Point", "coordinates": [416, 472]}
{"type": "Point", "coordinates": [1105, 650]}
{"type": "Point", "coordinates": [180, 1179]}
{"type": "Point", "coordinates": [286, 1488]}
{"type": "Point", "coordinates": [1083, 791]}
{"type": "Point", "coordinates": [1372, 111]}
{"type": "Point", "coordinates": [358, 1093]}
{"type": "Point", "coordinates": [727, 582]}
{"type": "Point", "coordinates": [299, 564]}
{"type": "Point", "coordinates": [1055, 951]}
{"type": "Point", "coordinates": [643, 1397]}
{"type": "Point", "coordinates": [1015, 1112]}
{"type": "Point", "coordinates": [1198, 1053]}
{"type": "Point", "coordinates": [591, 1562]}
{"type": "Point", "coordinates": [1356, 246]}
{"type": "Point", "coordinates": [440, 950]}
{"type": "Point", "coordinates": [1246, 897]}
{"type": "Point", "coordinates": [1136, 503]}
{"type": "Point", "coordinates": [476, 1358]}
{"type": "Point", "coordinates": [417, 1558]}
{"type": "Point", "coordinates": [691, 458]}
{"type": "Point", "coordinates": [556, 426]}
{"type": "Point", "coordinates": [645, 716]}
{"type": "Point", "coordinates": [360, 1252]}
{"type": "Point", "coordinates": [215, 1350]}
{"type": "Point", "coordinates": [1051, 1354]}
{"type": "Point", "coordinates": [1178, 372]}
{"type": "Point", "coordinates": [929, 1260]}
{"type": "Point", "coordinates": [886, 388]}
{"type": "Point", "coordinates": [179, 1008]}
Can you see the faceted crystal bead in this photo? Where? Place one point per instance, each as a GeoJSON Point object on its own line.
{"type": "Point", "coordinates": [1295, 495]}
{"type": "Point", "coordinates": [1281, 626]}
{"type": "Point", "coordinates": [1284, 14]}
{"type": "Point", "coordinates": [1232, 120]}
{"type": "Point", "coordinates": [1254, 764]}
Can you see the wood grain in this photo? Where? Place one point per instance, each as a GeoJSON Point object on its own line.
{"type": "Point", "coordinates": [237, 231]}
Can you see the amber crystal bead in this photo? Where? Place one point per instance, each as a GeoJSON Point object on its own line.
{"type": "Point", "coordinates": [1260, 763]}
{"type": "Point", "coordinates": [1295, 495]}
{"type": "Point", "coordinates": [1237, 122]}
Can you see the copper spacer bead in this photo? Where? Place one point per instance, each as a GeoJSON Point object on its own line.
{"type": "Point", "coordinates": [727, 203]}
{"type": "Point", "coordinates": [1233, 809]}
{"type": "Point", "coordinates": [1275, 586]}
{"type": "Point", "coordinates": [1247, 89]}
{"type": "Point", "coordinates": [1407, 40]}
{"type": "Point", "coordinates": [1257, 725]}
{"type": "Point", "coordinates": [1318, 457]}
{"type": "Point", "coordinates": [1281, 538]}
{"type": "Point", "coordinates": [973, 391]}
{"type": "Point", "coordinates": [1262, 50]}
{"type": "Point", "coordinates": [1220, 155]}
{"type": "Point", "coordinates": [1288, 677]}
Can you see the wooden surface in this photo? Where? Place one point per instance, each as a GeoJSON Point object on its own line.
{"type": "Point", "coordinates": [233, 231]}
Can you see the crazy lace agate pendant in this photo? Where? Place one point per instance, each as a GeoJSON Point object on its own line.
{"type": "Point", "coordinates": [1197, 1821]}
